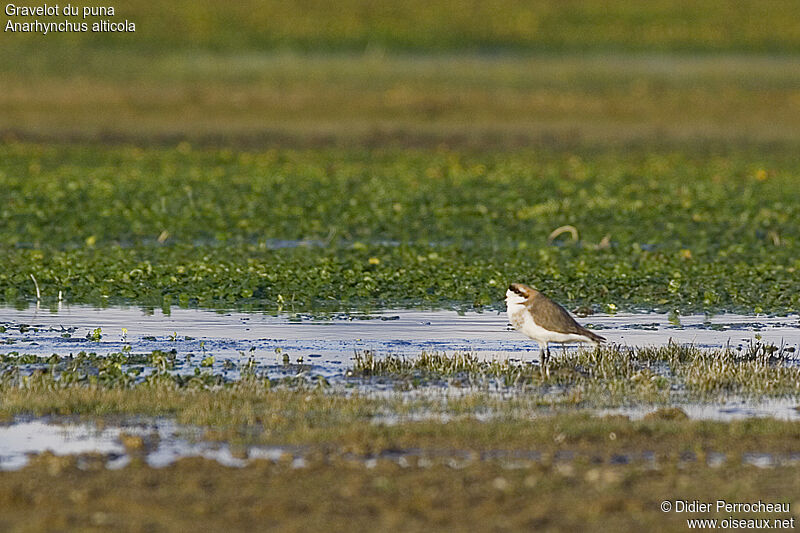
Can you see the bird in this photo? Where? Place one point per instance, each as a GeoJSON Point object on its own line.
{"type": "Point", "coordinates": [543, 320]}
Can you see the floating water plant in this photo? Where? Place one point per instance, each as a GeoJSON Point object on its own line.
{"type": "Point", "coordinates": [230, 246]}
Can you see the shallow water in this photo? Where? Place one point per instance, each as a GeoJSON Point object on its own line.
{"type": "Point", "coordinates": [731, 409]}
{"type": "Point", "coordinates": [328, 345]}
{"type": "Point", "coordinates": [166, 442]}
{"type": "Point", "coordinates": [36, 436]}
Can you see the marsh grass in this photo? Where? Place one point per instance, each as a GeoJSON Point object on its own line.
{"type": "Point", "coordinates": [332, 421]}
{"type": "Point", "coordinates": [431, 386]}
{"type": "Point", "coordinates": [608, 374]}
{"type": "Point", "coordinates": [761, 369]}
{"type": "Point", "coordinates": [251, 412]}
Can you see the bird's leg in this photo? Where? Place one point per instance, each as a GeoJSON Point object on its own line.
{"type": "Point", "coordinates": [545, 351]}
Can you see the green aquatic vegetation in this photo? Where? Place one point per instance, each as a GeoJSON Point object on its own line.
{"type": "Point", "coordinates": [80, 360]}
{"type": "Point", "coordinates": [125, 370]}
{"type": "Point", "coordinates": [66, 197]}
{"type": "Point", "coordinates": [269, 230]}
{"type": "Point", "coordinates": [95, 335]}
{"type": "Point", "coordinates": [163, 361]}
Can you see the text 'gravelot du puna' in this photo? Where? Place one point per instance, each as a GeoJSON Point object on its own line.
{"type": "Point", "coordinates": [76, 18]}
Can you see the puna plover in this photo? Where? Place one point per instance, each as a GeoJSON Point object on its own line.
{"type": "Point", "coordinates": [543, 320]}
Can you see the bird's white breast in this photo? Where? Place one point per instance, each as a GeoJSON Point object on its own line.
{"type": "Point", "coordinates": [515, 307]}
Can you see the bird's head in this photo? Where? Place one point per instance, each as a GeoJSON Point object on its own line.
{"type": "Point", "coordinates": [518, 293]}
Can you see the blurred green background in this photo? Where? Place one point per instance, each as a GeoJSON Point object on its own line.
{"type": "Point", "coordinates": [499, 74]}
{"type": "Point", "coordinates": [436, 25]}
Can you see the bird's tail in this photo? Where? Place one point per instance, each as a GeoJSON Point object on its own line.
{"type": "Point", "coordinates": [594, 337]}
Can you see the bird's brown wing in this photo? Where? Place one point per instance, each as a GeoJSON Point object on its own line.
{"type": "Point", "coordinates": [553, 317]}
